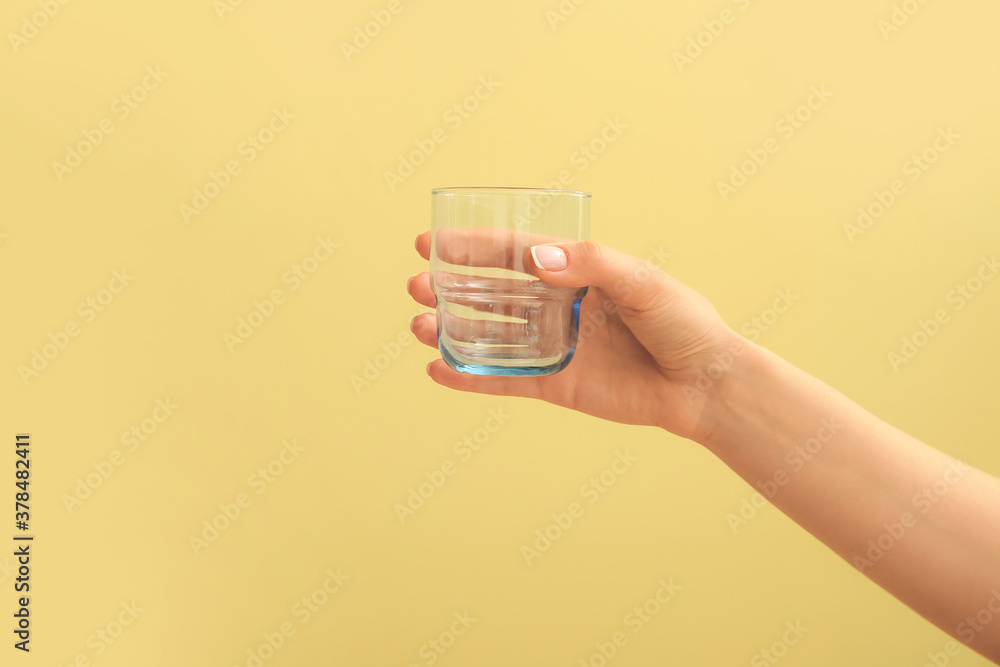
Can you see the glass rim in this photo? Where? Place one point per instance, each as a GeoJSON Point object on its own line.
{"type": "Point", "coordinates": [508, 190]}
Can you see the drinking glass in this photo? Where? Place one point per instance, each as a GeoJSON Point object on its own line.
{"type": "Point", "coordinates": [494, 315]}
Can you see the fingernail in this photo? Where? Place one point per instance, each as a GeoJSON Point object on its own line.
{"type": "Point", "coordinates": [549, 257]}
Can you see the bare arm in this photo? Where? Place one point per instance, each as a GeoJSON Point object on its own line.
{"type": "Point", "coordinates": [920, 524]}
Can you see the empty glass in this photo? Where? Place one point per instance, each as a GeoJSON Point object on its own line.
{"type": "Point", "coordinates": [494, 316]}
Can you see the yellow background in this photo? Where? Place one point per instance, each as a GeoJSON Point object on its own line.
{"type": "Point", "coordinates": [366, 446]}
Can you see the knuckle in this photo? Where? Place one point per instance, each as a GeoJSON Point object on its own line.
{"type": "Point", "coordinates": [591, 250]}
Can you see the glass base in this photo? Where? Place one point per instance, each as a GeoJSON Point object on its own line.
{"type": "Point", "coordinates": [509, 371]}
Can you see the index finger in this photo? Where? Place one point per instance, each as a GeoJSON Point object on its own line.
{"type": "Point", "coordinates": [499, 248]}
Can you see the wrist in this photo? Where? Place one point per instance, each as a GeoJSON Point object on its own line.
{"type": "Point", "coordinates": [726, 387]}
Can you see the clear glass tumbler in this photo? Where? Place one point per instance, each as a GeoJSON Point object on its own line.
{"type": "Point", "coordinates": [494, 316]}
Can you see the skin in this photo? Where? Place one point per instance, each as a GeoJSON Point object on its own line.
{"type": "Point", "coordinates": [921, 525]}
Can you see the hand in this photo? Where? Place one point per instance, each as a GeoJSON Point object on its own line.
{"type": "Point", "coordinates": [648, 350]}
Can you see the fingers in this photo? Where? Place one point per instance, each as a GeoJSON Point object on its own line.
{"type": "Point", "coordinates": [467, 331]}
{"type": "Point", "coordinates": [478, 247]}
{"type": "Point", "coordinates": [470, 247]}
{"type": "Point", "coordinates": [477, 332]}
{"type": "Point", "coordinates": [446, 376]}
{"type": "Point", "coordinates": [419, 287]}
{"type": "Point", "coordinates": [632, 283]}
{"type": "Point", "coordinates": [424, 327]}
{"type": "Point", "coordinates": [464, 289]}
{"type": "Point", "coordinates": [499, 248]}
{"type": "Point", "coordinates": [423, 245]}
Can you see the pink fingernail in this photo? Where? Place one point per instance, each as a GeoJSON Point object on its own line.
{"type": "Point", "coordinates": [549, 257]}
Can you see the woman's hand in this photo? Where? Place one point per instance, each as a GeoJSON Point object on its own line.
{"type": "Point", "coordinates": [649, 347]}
{"type": "Point", "coordinates": [652, 351]}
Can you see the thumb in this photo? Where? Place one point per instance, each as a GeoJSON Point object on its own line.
{"type": "Point", "coordinates": [629, 281]}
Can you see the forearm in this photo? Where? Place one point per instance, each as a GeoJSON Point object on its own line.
{"type": "Point", "coordinates": [920, 524]}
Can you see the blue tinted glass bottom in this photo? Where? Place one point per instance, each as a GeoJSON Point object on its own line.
{"type": "Point", "coordinates": [515, 371]}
